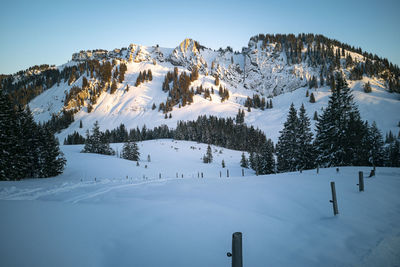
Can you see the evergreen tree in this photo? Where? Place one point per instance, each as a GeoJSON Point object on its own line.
{"type": "Point", "coordinates": [244, 162]}
{"type": "Point", "coordinates": [315, 118]}
{"type": "Point", "coordinates": [389, 137]}
{"type": "Point", "coordinates": [287, 149]}
{"type": "Point", "coordinates": [208, 157]}
{"type": "Point", "coordinates": [30, 144]}
{"type": "Point", "coordinates": [375, 146]}
{"type": "Point", "coordinates": [8, 139]}
{"type": "Point", "coordinates": [52, 159]}
{"type": "Point", "coordinates": [113, 87]}
{"type": "Point", "coordinates": [130, 151]}
{"type": "Point", "coordinates": [367, 88]}
{"type": "Point", "coordinates": [96, 143]}
{"type": "Point", "coordinates": [266, 160]}
{"type": "Point", "coordinates": [80, 124]}
{"type": "Point", "coordinates": [26, 149]}
{"type": "Point", "coordinates": [223, 164]}
{"type": "Point", "coordinates": [304, 140]}
{"type": "Point", "coordinates": [340, 130]}
{"type": "Point", "coordinates": [217, 80]}
{"type": "Point", "coordinates": [393, 154]}
{"type": "Point", "coordinates": [252, 161]}
{"type": "Point", "coordinates": [312, 98]}
{"type": "Point", "coordinates": [240, 116]}
{"type": "Point", "coordinates": [321, 80]}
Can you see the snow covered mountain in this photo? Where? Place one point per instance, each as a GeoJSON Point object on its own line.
{"type": "Point", "coordinates": [280, 68]}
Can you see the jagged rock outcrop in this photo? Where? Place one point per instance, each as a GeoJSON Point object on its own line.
{"type": "Point", "coordinates": [267, 71]}
{"type": "Point", "coordinates": [187, 55]}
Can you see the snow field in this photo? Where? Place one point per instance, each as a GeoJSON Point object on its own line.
{"type": "Point", "coordinates": [286, 219]}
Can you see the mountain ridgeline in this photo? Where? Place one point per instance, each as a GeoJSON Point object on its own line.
{"type": "Point", "coordinates": [303, 59]}
{"type": "Point", "coordinates": [178, 87]}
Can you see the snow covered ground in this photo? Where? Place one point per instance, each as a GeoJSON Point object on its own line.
{"type": "Point", "coordinates": [128, 216]}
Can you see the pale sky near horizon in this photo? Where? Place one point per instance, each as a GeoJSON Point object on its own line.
{"type": "Point", "coordinates": [48, 32]}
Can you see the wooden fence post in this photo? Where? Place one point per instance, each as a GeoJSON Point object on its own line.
{"type": "Point", "coordinates": [242, 172]}
{"type": "Point", "coordinates": [334, 200]}
{"type": "Point", "coordinates": [361, 181]}
{"type": "Point", "coordinates": [159, 176]}
{"type": "Point", "coordinates": [220, 174]}
{"type": "Point", "coordinates": [227, 173]}
{"type": "Point", "coordinates": [237, 257]}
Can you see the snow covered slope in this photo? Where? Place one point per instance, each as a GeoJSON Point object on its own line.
{"type": "Point", "coordinates": [261, 68]}
{"type": "Point", "coordinates": [128, 216]}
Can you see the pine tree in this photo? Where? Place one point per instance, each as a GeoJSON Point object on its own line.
{"type": "Point", "coordinates": [367, 88]}
{"type": "Point", "coordinates": [96, 142]}
{"type": "Point", "coordinates": [240, 116]}
{"type": "Point", "coordinates": [113, 87]}
{"type": "Point", "coordinates": [304, 140]}
{"type": "Point", "coordinates": [8, 139]}
{"type": "Point", "coordinates": [208, 157]}
{"type": "Point", "coordinates": [130, 151]}
{"type": "Point", "coordinates": [340, 130]}
{"type": "Point", "coordinates": [217, 80]}
{"type": "Point", "coordinates": [29, 145]}
{"type": "Point", "coordinates": [223, 164]}
{"type": "Point", "coordinates": [392, 152]}
{"type": "Point", "coordinates": [139, 79]}
{"type": "Point", "coordinates": [26, 149]}
{"type": "Point", "coordinates": [287, 149]}
{"type": "Point", "coordinates": [52, 159]}
{"type": "Point", "coordinates": [266, 160]}
{"type": "Point", "coordinates": [84, 82]}
{"type": "Point", "coordinates": [244, 162]}
{"type": "Point", "coordinates": [252, 161]}
{"type": "Point", "coordinates": [80, 124]}
{"type": "Point", "coordinates": [375, 144]}
{"type": "Point", "coordinates": [321, 80]}
{"type": "Point", "coordinates": [315, 118]}
{"type": "Point", "coordinates": [312, 98]}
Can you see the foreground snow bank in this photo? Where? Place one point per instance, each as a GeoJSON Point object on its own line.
{"type": "Point", "coordinates": [286, 219]}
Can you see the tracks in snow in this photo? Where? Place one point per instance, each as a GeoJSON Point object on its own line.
{"type": "Point", "coordinates": [105, 187]}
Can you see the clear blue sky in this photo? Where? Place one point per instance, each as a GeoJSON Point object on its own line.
{"type": "Point", "coordinates": [38, 32]}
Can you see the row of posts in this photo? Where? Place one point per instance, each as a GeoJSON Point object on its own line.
{"type": "Point", "coordinates": [177, 176]}
{"type": "Point", "coordinates": [360, 189]}
{"type": "Point", "coordinates": [236, 254]}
